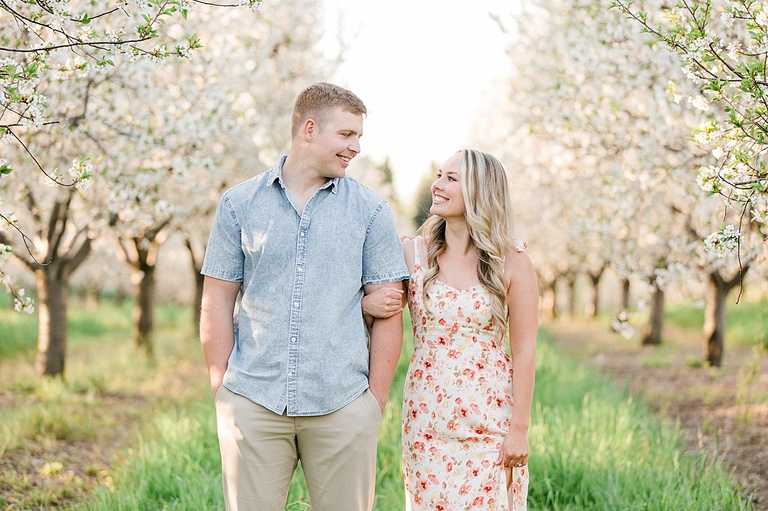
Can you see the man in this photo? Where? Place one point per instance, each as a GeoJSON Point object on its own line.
{"type": "Point", "coordinates": [294, 373]}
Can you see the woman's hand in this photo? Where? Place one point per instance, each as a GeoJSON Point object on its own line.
{"type": "Point", "coordinates": [514, 449]}
{"type": "Point", "coordinates": [383, 303]}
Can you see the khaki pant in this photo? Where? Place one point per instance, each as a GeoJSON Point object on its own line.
{"type": "Point", "coordinates": [260, 450]}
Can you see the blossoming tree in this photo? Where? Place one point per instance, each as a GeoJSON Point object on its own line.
{"type": "Point", "coordinates": [611, 138]}
{"type": "Point", "coordinates": [722, 48]}
{"type": "Point", "coordinates": [42, 41]}
{"type": "Point", "coordinates": [151, 132]}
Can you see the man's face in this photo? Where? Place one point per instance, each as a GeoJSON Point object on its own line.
{"type": "Point", "coordinates": [336, 142]}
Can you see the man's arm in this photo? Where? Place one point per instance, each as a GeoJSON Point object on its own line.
{"type": "Point", "coordinates": [217, 331]}
{"type": "Point", "coordinates": [386, 346]}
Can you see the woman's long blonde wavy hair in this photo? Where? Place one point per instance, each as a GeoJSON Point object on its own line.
{"type": "Point", "coordinates": [488, 212]}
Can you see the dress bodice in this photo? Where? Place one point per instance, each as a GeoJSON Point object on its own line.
{"type": "Point", "coordinates": [456, 318]}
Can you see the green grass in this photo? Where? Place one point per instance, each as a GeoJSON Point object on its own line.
{"type": "Point", "coordinates": [176, 467]}
{"type": "Point", "coordinates": [747, 322]}
{"type": "Point", "coordinates": [108, 394]}
{"type": "Point", "coordinates": [593, 449]}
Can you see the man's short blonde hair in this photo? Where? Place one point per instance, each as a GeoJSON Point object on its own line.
{"type": "Point", "coordinates": [317, 99]}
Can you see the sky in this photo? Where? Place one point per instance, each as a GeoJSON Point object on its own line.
{"type": "Point", "coordinates": [423, 69]}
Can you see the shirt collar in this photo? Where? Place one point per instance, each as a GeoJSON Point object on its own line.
{"type": "Point", "coordinates": [276, 174]}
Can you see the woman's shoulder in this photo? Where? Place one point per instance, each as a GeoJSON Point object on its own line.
{"type": "Point", "coordinates": [516, 259]}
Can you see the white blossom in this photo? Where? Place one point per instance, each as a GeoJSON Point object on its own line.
{"type": "Point", "coordinates": [762, 18]}
{"type": "Point", "coordinates": [5, 253]}
{"type": "Point", "coordinates": [723, 242]}
{"type": "Point", "coordinates": [700, 102]}
{"type": "Point", "coordinates": [23, 304]}
{"type": "Point", "coordinates": [727, 18]}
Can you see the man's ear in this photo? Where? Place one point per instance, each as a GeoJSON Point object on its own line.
{"type": "Point", "coordinates": [309, 129]}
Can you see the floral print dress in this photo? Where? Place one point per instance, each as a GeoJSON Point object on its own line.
{"type": "Point", "coordinates": [457, 404]}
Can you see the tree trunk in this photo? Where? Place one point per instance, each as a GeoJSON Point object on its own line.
{"type": "Point", "coordinates": [67, 248]}
{"type": "Point", "coordinates": [652, 332]}
{"type": "Point", "coordinates": [141, 254]}
{"type": "Point", "coordinates": [144, 311]}
{"type": "Point", "coordinates": [92, 297]}
{"type": "Point", "coordinates": [52, 321]}
{"type": "Point", "coordinates": [571, 280]}
{"type": "Point", "coordinates": [595, 278]}
{"type": "Point", "coordinates": [714, 320]}
{"type": "Point", "coordinates": [625, 294]}
{"type": "Point", "coordinates": [551, 290]}
{"type": "Point", "coordinates": [715, 314]}
{"type": "Point", "coordinates": [197, 265]}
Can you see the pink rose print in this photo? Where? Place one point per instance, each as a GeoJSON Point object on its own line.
{"type": "Point", "coordinates": [457, 403]}
{"type": "Point", "coordinates": [489, 486]}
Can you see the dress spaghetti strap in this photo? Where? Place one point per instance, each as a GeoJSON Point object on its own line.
{"type": "Point", "coordinates": [416, 251]}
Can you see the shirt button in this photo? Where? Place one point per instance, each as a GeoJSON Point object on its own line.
{"type": "Point", "coordinates": [290, 373]}
{"type": "Point", "coordinates": [293, 339]}
{"type": "Point", "coordinates": [301, 234]}
{"type": "Point", "coordinates": [296, 304]}
{"type": "Point", "coordinates": [300, 268]}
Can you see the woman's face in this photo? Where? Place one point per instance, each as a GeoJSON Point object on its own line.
{"type": "Point", "coordinates": [447, 197]}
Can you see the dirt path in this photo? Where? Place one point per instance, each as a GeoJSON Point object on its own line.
{"type": "Point", "coordinates": [722, 411]}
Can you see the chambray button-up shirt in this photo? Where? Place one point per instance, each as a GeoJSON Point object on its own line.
{"type": "Point", "coordinates": [301, 345]}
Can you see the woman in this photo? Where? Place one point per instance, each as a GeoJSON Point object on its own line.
{"type": "Point", "coordinates": [465, 441]}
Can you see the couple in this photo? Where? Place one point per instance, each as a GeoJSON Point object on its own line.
{"type": "Point", "coordinates": [294, 373]}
